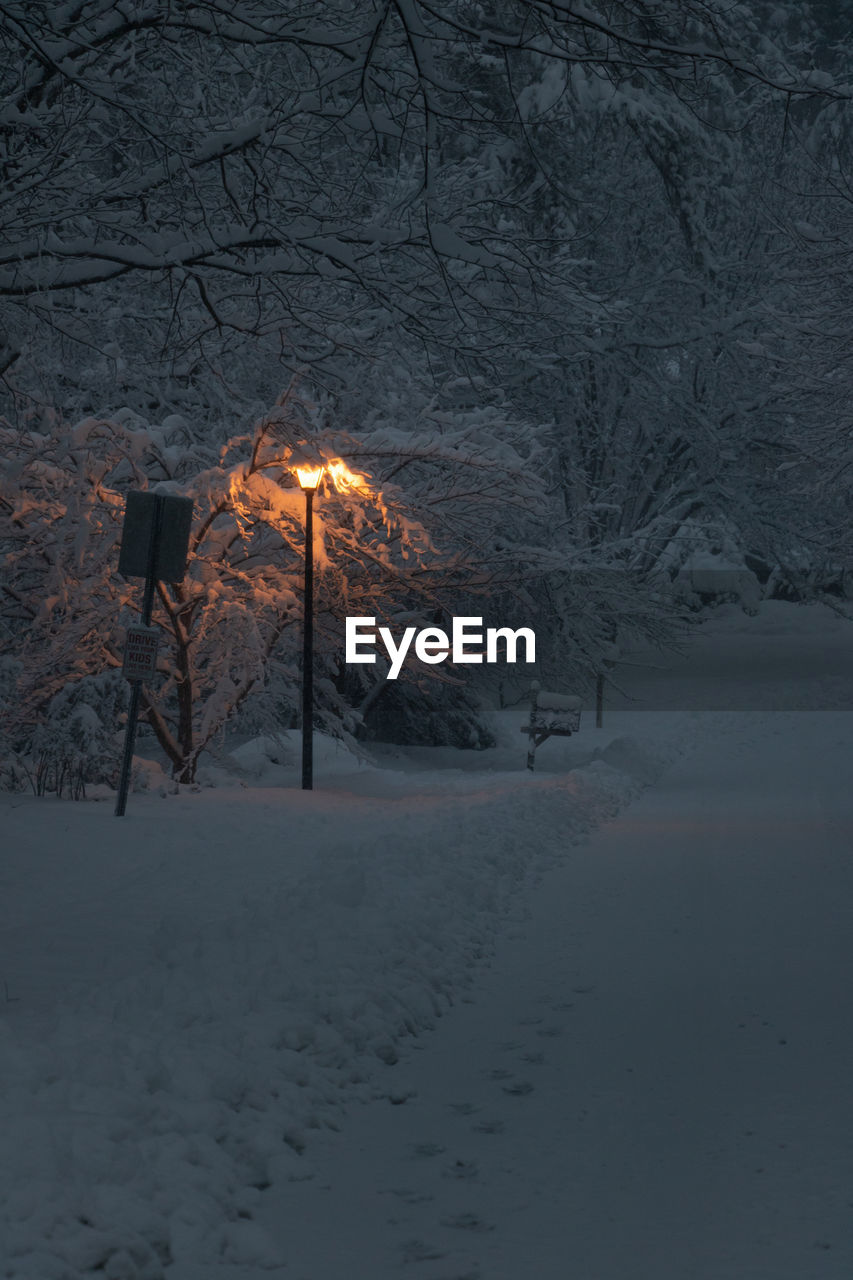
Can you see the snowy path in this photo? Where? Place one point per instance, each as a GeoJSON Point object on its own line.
{"type": "Point", "coordinates": [653, 1078]}
{"type": "Point", "coordinates": [195, 992]}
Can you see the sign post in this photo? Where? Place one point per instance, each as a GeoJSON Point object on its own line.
{"type": "Point", "coordinates": [154, 542]}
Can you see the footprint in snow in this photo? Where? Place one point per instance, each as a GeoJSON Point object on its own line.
{"type": "Point", "coordinates": [411, 1197]}
{"type": "Point", "coordinates": [461, 1169]}
{"type": "Point", "coordinates": [420, 1251]}
{"type": "Point", "coordinates": [550, 1032]}
{"type": "Point", "coordinates": [536, 1058]}
{"type": "Point", "coordinates": [464, 1108]}
{"type": "Point", "coordinates": [518, 1088]}
{"type": "Point", "coordinates": [467, 1222]}
{"type": "Point", "coordinates": [489, 1126]}
{"type": "Point", "coordinates": [428, 1149]}
{"type": "Point", "coordinates": [499, 1073]}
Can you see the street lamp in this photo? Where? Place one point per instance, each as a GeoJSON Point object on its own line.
{"type": "Point", "coordinates": [309, 478]}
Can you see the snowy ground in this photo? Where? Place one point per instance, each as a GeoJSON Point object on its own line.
{"type": "Point", "coordinates": [787, 658]}
{"type": "Point", "coordinates": [213, 1036]}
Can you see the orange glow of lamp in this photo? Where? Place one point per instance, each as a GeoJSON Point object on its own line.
{"type": "Point", "coordinates": [309, 478]}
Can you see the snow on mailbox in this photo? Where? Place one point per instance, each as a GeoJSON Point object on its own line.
{"type": "Point", "coordinates": [551, 714]}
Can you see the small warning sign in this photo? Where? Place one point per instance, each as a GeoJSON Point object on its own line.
{"type": "Point", "coordinates": [140, 652]}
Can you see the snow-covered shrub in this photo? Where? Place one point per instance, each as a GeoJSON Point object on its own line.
{"type": "Point", "coordinates": [708, 567]}
{"type": "Point", "coordinates": [12, 777]}
{"type": "Point", "coordinates": [10, 669]}
{"type": "Point", "coordinates": [429, 714]}
{"type": "Point", "coordinates": [79, 742]}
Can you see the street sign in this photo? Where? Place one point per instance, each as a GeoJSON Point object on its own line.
{"type": "Point", "coordinates": [154, 541]}
{"type": "Point", "coordinates": [171, 538]}
{"type": "Point", "coordinates": [140, 652]}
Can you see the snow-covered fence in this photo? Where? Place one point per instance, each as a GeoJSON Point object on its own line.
{"type": "Point", "coordinates": [551, 715]}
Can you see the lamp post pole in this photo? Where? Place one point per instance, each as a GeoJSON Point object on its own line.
{"type": "Point", "coordinates": [309, 478]}
{"type": "Point", "coordinates": [308, 648]}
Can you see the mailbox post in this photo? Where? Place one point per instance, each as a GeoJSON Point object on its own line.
{"type": "Point", "coordinates": [551, 715]}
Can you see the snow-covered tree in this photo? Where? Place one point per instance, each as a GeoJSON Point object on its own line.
{"type": "Point", "coordinates": [664, 387]}
{"type": "Point", "coordinates": [526, 253]}
{"type": "Point", "coordinates": [188, 189]}
{"type": "Point", "coordinates": [405, 526]}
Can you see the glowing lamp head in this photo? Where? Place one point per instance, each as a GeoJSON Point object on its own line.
{"type": "Point", "coordinates": [309, 477]}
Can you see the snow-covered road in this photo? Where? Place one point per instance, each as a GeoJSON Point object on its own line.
{"type": "Point", "coordinates": [653, 1077]}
